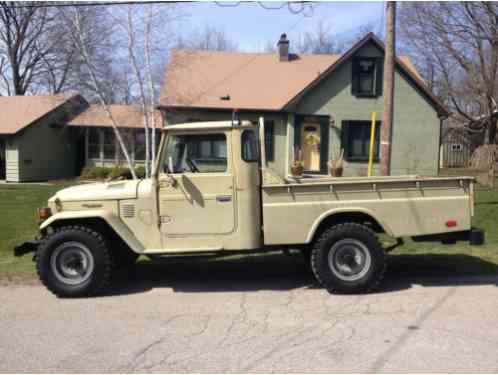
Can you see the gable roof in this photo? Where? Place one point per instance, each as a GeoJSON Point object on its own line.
{"type": "Point", "coordinates": [402, 62]}
{"type": "Point", "coordinates": [258, 81]}
{"type": "Point", "coordinates": [18, 112]}
{"type": "Point", "coordinates": [126, 116]}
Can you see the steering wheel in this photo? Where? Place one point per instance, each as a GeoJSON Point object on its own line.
{"type": "Point", "coordinates": [192, 165]}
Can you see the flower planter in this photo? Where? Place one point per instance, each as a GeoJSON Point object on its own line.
{"type": "Point", "coordinates": [297, 170]}
{"type": "Point", "coordinates": [336, 172]}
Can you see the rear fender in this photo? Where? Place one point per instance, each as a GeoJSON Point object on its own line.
{"type": "Point", "coordinates": [114, 222]}
{"type": "Point", "coordinates": [350, 210]}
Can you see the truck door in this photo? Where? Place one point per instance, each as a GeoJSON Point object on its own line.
{"type": "Point", "coordinates": [196, 198]}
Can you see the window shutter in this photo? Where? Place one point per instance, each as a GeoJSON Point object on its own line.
{"type": "Point", "coordinates": [379, 72]}
{"type": "Point", "coordinates": [297, 132]}
{"type": "Point", "coordinates": [378, 129]}
{"type": "Point", "coordinates": [344, 137]}
{"type": "Point", "coordinates": [269, 140]}
{"type": "Point", "coordinates": [324, 146]}
{"type": "Point", "coordinates": [355, 78]}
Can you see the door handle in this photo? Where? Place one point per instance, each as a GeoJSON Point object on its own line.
{"type": "Point", "coordinates": [223, 198]}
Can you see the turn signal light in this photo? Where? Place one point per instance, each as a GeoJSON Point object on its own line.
{"type": "Point", "coordinates": [451, 223]}
{"type": "Point", "coordinates": [43, 213]}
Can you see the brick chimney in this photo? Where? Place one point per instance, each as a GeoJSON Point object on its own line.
{"type": "Point", "coordinates": [283, 48]}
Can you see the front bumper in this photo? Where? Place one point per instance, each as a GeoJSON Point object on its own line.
{"type": "Point", "coordinates": [26, 247]}
{"type": "Point", "coordinates": [474, 236]}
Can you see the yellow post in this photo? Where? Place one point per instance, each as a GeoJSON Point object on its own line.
{"type": "Point", "coordinates": [372, 142]}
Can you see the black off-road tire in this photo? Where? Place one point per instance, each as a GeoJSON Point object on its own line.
{"type": "Point", "coordinates": [103, 262]}
{"type": "Point", "coordinates": [332, 279]}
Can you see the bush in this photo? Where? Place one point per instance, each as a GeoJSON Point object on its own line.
{"type": "Point", "coordinates": [103, 173]}
{"type": "Point", "coordinates": [118, 171]}
{"type": "Point", "coordinates": [140, 171]}
{"type": "Point", "coordinates": [95, 173]}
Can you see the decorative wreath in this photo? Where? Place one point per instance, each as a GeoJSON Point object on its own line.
{"type": "Point", "coordinates": [312, 140]}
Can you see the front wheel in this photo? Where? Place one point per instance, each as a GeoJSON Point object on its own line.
{"type": "Point", "coordinates": [348, 258]}
{"type": "Point", "coordinates": [74, 261]}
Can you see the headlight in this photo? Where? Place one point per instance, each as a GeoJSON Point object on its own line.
{"type": "Point", "coordinates": [43, 213]}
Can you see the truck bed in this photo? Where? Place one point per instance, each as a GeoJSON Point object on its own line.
{"type": "Point", "coordinates": [402, 205]}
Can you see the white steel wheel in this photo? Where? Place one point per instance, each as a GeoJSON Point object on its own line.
{"type": "Point", "coordinates": [349, 259]}
{"type": "Point", "coordinates": [72, 263]}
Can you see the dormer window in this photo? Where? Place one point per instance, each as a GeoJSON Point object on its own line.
{"type": "Point", "coordinates": [367, 77]}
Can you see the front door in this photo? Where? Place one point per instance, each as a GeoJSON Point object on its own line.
{"type": "Point", "coordinates": [311, 141]}
{"type": "Point", "coordinates": [196, 199]}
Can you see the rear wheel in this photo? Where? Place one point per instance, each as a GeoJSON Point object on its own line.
{"type": "Point", "coordinates": [74, 261]}
{"type": "Point", "coordinates": [348, 258]}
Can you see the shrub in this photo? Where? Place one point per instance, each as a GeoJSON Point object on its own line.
{"type": "Point", "coordinates": [140, 171]}
{"type": "Point", "coordinates": [95, 173]}
{"type": "Point", "coordinates": [119, 171]}
{"type": "Point", "coordinates": [102, 173]}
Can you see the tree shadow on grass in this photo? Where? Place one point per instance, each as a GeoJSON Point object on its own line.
{"type": "Point", "coordinates": [274, 271]}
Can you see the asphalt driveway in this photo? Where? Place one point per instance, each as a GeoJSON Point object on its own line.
{"type": "Point", "coordinates": [252, 315]}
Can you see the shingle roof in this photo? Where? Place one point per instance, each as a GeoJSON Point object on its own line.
{"type": "Point", "coordinates": [17, 112]}
{"type": "Point", "coordinates": [202, 79]}
{"type": "Point", "coordinates": [252, 80]}
{"type": "Point", "coordinates": [126, 116]}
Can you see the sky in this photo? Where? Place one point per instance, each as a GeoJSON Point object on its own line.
{"type": "Point", "coordinates": [251, 26]}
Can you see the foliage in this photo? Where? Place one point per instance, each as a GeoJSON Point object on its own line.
{"type": "Point", "coordinates": [455, 45]}
{"type": "Point", "coordinates": [103, 173]}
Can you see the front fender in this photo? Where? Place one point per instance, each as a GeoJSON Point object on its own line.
{"type": "Point", "coordinates": [349, 210]}
{"type": "Point", "coordinates": [114, 222]}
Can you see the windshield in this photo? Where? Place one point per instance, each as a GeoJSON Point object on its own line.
{"type": "Point", "coordinates": [196, 153]}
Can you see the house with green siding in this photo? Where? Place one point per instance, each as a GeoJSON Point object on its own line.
{"type": "Point", "coordinates": [35, 144]}
{"type": "Point", "coordinates": [317, 104]}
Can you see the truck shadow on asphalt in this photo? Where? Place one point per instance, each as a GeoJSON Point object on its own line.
{"type": "Point", "coordinates": [272, 272]}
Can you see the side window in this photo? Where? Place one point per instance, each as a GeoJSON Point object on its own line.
{"type": "Point", "coordinates": [109, 144]}
{"type": "Point", "coordinates": [93, 143]}
{"type": "Point", "coordinates": [249, 148]}
{"type": "Point", "coordinates": [367, 77]}
{"type": "Point", "coordinates": [139, 145]}
{"type": "Point", "coordinates": [356, 140]}
{"type": "Point", "coordinates": [206, 153]}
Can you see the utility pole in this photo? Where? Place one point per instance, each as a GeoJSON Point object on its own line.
{"type": "Point", "coordinates": [388, 89]}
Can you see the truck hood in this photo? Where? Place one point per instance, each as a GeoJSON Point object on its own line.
{"type": "Point", "coordinates": [99, 191]}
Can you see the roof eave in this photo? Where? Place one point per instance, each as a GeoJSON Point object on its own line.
{"type": "Point", "coordinates": [166, 107]}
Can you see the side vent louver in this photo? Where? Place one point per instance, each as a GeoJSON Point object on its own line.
{"type": "Point", "coordinates": [128, 210]}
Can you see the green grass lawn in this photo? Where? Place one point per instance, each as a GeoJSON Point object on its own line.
{"type": "Point", "coordinates": [19, 202]}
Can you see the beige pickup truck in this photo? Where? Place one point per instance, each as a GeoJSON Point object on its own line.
{"type": "Point", "coordinates": [212, 193]}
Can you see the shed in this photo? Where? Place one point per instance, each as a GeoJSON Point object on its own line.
{"type": "Point", "coordinates": [35, 143]}
{"type": "Point", "coordinates": [456, 147]}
